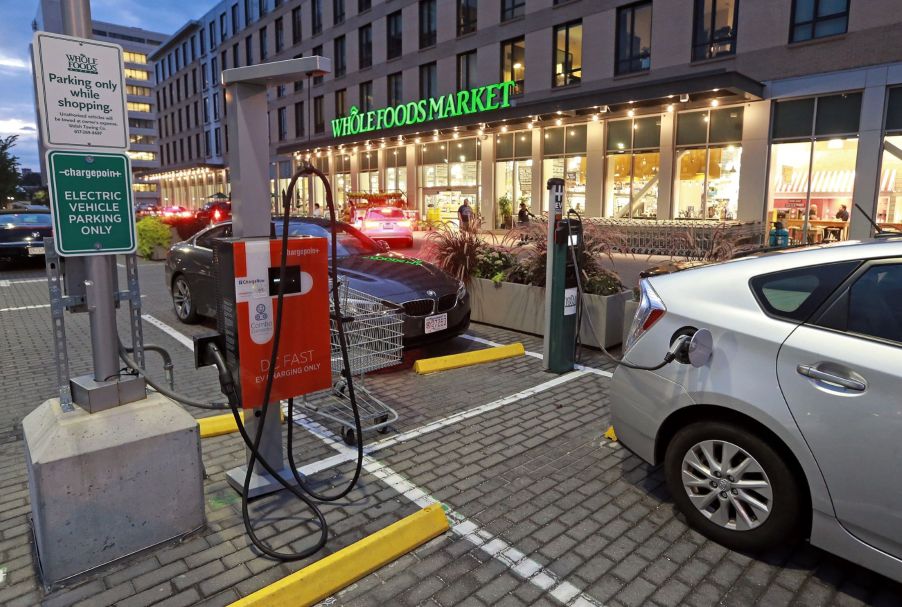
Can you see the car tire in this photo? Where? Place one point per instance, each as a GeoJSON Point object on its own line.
{"type": "Point", "coordinates": [722, 497]}
{"type": "Point", "coordinates": [182, 303]}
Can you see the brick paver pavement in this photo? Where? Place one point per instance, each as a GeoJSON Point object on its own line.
{"type": "Point", "coordinates": [532, 477]}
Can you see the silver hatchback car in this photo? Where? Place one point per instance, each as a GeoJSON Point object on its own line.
{"type": "Point", "coordinates": [793, 426]}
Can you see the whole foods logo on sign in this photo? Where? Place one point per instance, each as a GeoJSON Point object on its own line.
{"type": "Point", "coordinates": [80, 86]}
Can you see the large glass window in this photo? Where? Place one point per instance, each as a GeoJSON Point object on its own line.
{"type": "Point", "coordinates": [395, 92]}
{"type": "Point", "coordinates": [366, 96]}
{"type": "Point", "coordinates": [365, 46]}
{"type": "Point", "coordinates": [338, 11]}
{"type": "Point", "coordinates": [283, 123]}
{"type": "Point", "coordinates": [708, 162]}
{"type": "Point", "coordinates": [511, 9]}
{"type": "Point", "coordinates": [296, 25]}
{"type": "Point", "coordinates": [299, 119]}
{"type": "Point", "coordinates": [316, 16]}
{"type": "Point", "coordinates": [341, 64]}
{"type": "Point", "coordinates": [466, 70]}
{"type": "Point", "coordinates": [714, 34]}
{"type": "Point", "coordinates": [427, 23]}
{"type": "Point", "coordinates": [396, 169]}
{"type": "Point", "coordinates": [393, 35]}
{"type": "Point", "coordinates": [449, 173]}
{"type": "Point", "coordinates": [513, 62]}
{"type": "Point", "coordinates": [565, 157]}
{"type": "Point", "coordinates": [633, 38]}
{"type": "Point", "coordinates": [812, 165]}
{"type": "Point", "coordinates": [633, 161]}
{"type": "Point", "coordinates": [818, 19]}
{"type": "Point", "coordinates": [568, 54]}
{"type": "Point", "coordinates": [428, 85]}
{"type": "Point", "coordinates": [368, 171]}
{"type": "Point", "coordinates": [889, 196]}
{"type": "Point", "coordinates": [341, 106]}
{"type": "Point", "coordinates": [319, 118]}
{"type": "Point", "coordinates": [513, 175]}
{"type": "Point", "coordinates": [466, 17]}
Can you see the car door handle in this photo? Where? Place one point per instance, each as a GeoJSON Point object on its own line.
{"type": "Point", "coordinates": [831, 378]}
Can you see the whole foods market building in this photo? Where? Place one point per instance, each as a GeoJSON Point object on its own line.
{"type": "Point", "coordinates": [710, 147]}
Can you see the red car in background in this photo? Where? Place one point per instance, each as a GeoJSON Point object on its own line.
{"type": "Point", "coordinates": [175, 212]}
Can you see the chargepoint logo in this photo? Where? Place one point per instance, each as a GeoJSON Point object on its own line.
{"type": "Point", "coordinates": [82, 63]}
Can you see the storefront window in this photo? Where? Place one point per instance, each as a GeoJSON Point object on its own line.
{"type": "Point", "coordinates": [368, 171]}
{"type": "Point", "coordinates": [633, 162]}
{"type": "Point", "coordinates": [513, 175]}
{"type": "Point", "coordinates": [449, 173]}
{"type": "Point", "coordinates": [889, 197]}
{"type": "Point", "coordinates": [341, 179]}
{"type": "Point", "coordinates": [396, 169]}
{"type": "Point", "coordinates": [565, 157]}
{"type": "Point", "coordinates": [813, 155]}
{"type": "Point", "coordinates": [708, 162]}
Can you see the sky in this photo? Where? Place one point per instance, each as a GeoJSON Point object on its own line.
{"type": "Point", "coordinates": [17, 114]}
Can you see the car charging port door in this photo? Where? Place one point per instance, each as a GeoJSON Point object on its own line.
{"type": "Point", "coordinates": [247, 274]}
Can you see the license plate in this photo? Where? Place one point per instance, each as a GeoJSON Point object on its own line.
{"type": "Point", "coordinates": [388, 226]}
{"type": "Point", "coordinates": [35, 250]}
{"type": "Point", "coordinates": [436, 323]}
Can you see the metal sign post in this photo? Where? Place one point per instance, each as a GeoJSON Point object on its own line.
{"type": "Point", "coordinates": [252, 213]}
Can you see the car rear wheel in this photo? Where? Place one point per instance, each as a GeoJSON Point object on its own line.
{"type": "Point", "coordinates": [182, 302]}
{"type": "Point", "coordinates": [732, 486]}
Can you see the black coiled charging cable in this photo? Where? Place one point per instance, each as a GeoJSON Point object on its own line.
{"type": "Point", "coordinates": [668, 358]}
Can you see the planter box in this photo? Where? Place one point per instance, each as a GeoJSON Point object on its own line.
{"type": "Point", "coordinates": [522, 308]}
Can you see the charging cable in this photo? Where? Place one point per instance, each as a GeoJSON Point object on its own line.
{"type": "Point", "coordinates": [679, 344]}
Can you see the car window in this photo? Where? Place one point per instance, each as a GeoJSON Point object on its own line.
{"type": "Point", "coordinates": [25, 219]}
{"type": "Point", "coordinates": [388, 213]}
{"type": "Point", "coordinates": [350, 241]}
{"type": "Point", "coordinates": [874, 303]}
{"type": "Point", "coordinates": [796, 294]}
{"type": "Point", "coordinates": [206, 239]}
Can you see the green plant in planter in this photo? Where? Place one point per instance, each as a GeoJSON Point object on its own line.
{"type": "Point", "coordinates": [455, 251]}
{"type": "Point", "coordinates": [505, 210]}
{"type": "Point", "coordinates": [602, 282]}
{"type": "Point", "coordinates": [152, 233]}
{"type": "Point", "coordinates": [492, 262]}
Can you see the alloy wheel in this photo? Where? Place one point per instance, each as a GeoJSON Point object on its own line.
{"type": "Point", "coordinates": [181, 298]}
{"type": "Point", "coordinates": [727, 485]}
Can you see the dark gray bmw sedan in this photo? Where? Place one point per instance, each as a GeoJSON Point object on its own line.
{"type": "Point", "coordinates": [436, 306]}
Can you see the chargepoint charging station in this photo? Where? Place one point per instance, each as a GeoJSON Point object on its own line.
{"type": "Point", "coordinates": [561, 292]}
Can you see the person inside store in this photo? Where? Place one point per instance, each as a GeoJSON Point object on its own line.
{"type": "Point", "coordinates": [842, 214]}
{"type": "Point", "coordinates": [465, 214]}
{"type": "Point", "coordinates": [317, 210]}
{"type": "Point", "coordinates": [523, 215]}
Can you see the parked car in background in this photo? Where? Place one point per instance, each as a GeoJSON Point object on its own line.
{"type": "Point", "coordinates": [22, 233]}
{"type": "Point", "coordinates": [436, 306]}
{"type": "Point", "coordinates": [792, 427]}
{"type": "Point", "coordinates": [146, 209]}
{"type": "Point", "coordinates": [175, 212]}
{"type": "Point", "coordinates": [214, 212]}
{"type": "Point", "coordinates": [28, 206]}
{"type": "Point", "coordinates": [388, 224]}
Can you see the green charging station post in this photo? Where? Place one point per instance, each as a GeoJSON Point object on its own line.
{"type": "Point", "coordinates": [561, 298]}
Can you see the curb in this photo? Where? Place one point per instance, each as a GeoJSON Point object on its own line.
{"type": "Point", "coordinates": [466, 359]}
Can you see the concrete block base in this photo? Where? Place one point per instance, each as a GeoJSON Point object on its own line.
{"type": "Point", "coordinates": [106, 485]}
{"type": "Point", "coordinates": [262, 483]}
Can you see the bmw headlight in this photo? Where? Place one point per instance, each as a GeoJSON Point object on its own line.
{"type": "Point", "coordinates": [461, 290]}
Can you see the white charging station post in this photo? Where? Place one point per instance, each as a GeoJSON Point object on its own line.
{"type": "Point", "coordinates": [248, 122]}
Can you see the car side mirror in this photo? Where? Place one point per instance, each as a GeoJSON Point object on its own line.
{"type": "Point", "coordinates": [384, 246]}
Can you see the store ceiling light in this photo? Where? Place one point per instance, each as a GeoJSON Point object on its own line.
{"type": "Point", "coordinates": [670, 107]}
{"type": "Point", "coordinates": [503, 128]}
{"type": "Point", "coordinates": [594, 117]}
{"type": "Point", "coordinates": [715, 103]}
{"type": "Point", "coordinates": [559, 122]}
{"type": "Point", "coordinates": [631, 113]}
{"type": "Point", "coordinates": [684, 98]}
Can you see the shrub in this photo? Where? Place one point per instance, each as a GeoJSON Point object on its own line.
{"type": "Point", "coordinates": [492, 263]}
{"type": "Point", "coordinates": [152, 233]}
{"type": "Point", "coordinates": [455, 251]}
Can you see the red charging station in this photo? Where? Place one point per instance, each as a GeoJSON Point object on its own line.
{"type": "Point", "coordinates": [247, 282]}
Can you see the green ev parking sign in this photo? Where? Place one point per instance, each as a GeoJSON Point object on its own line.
{"type": "Point", "coordinates": [91, 203]}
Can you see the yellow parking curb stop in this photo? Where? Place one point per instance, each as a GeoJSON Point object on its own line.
{"type": "Point", "coordinates": [216, 425]}
{"type": "Point", "coordinates": [465, 359]}
{"type": "Point", "coordinates": [340, 569]}
{"type": "Point", "coordinates": [610, 434]}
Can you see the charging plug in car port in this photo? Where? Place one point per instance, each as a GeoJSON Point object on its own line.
{"type": "Point", "coordinates": [682, 353]}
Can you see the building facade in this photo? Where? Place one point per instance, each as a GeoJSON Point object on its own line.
{"type": "Point", "coordinates": [137, 44]}
{"type": "Point", "coordinates": [713, 110]}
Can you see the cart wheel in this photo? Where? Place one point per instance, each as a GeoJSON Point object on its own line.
{"type": "Point", "coordinates": [349, 436]}
{"type": "Point", "coordinates": [381, 420]}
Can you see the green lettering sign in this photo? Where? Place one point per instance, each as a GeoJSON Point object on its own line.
{"type": "Point", "coordinates": [463, 103]}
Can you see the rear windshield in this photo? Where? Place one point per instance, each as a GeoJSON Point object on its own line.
{"type": "Point", "coordinates": [796, 294]}
{"type": "Point", "coordinates": [385, 214]}
{"type": "Point", "coordinates": [25, 219]}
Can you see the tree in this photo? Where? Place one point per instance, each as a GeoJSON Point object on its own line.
{"type": "Point", "coordinates": [9, 168]}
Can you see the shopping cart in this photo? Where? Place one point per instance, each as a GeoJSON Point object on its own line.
{"type": "Point", "coordinates": [373, 330]}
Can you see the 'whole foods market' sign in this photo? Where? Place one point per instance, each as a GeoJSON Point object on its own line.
{"type": "Point", "coordinates": [461, 103]}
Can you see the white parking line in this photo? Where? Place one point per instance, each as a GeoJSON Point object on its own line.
{"type": "Point", "coordinates": [585, 368]}
{"type": "Point", "coordinates": [21, 281]}
{"type": "Point", "coordinates": [32, 307]}
{"type": "Point", "coordinates": [521, 565]}
{"type": "Point", "coordinates": [438, 424]}
{"type": "Point", "coordinates": [171, 332]}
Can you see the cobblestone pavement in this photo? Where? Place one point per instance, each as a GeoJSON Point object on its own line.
{"type": "Point", "coordinates": [544, 511]}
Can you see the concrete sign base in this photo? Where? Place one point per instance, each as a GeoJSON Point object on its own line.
{"type": "Point", "coordinates": [106, 485]}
